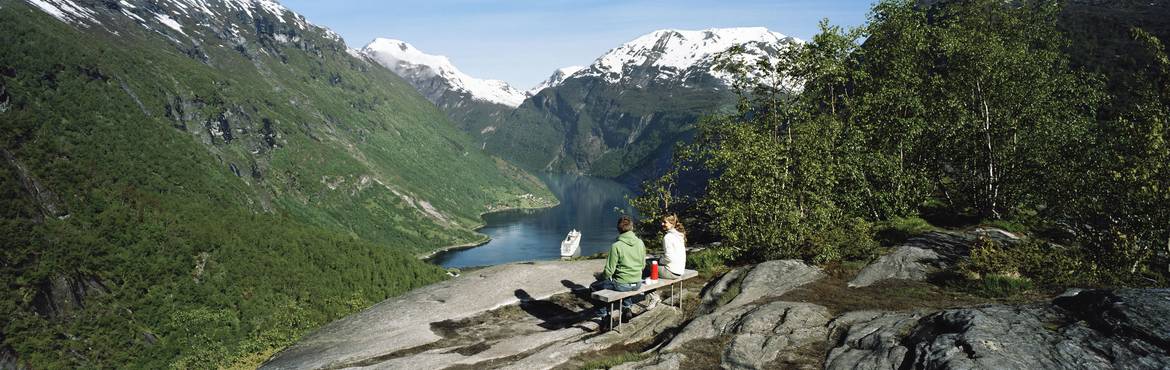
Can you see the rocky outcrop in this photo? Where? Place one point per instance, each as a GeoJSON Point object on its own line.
{"type": "Point", "coordinates": [759, 329]}
{"type": "Point", "coordinates": [557, 353]}
{"type": "Point", "coordinates": [1085, 330]}
{"type": "Point", "coordinates": [922, 255]}
{"type": "Point", "coordinates": [513, 316]}
{"type": "Point", "coordinates": [9, 360]}
{"type": "Point", "coordinates": [64, 295]}
{"type": "Point", "coordinates": [715, 291]}
{"type": "Point", "coordinates": [405, 322]}
{"type": "Point", "coordinates": [870, 338]}
{"type": "Point", "coordinates": [773, 279]}
{"type": "Point", "coordinates": [510, 317]}
{"type": "Point", "coordinates": [771, 330]}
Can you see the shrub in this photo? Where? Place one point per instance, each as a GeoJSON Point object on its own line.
{"type": "Point", "coordinates": [898, 229]}
{"type": "Point", "coordinates": [1001, 286]}
{"type": "Point", "coordinates": [709, 261]}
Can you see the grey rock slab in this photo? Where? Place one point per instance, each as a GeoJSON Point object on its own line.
{"type": "Point", "coordinates": [998, 235]}
{"type": "Point", "coordinates": [766, 280]}
{"type": "Point", "coordinates": [773, 279]}
{"type": "Point", "coordinates": [437, 359]}
{"type": "Point", "coordinates": [1123, 329]}
{"type": "Point", "coordinates": [870, 339]}
{"type": "Point", "coordinates": [668, 361]}
{"type": "Point", "coordinates": [759, 332]}
{"type": "Point", "coordinates": [905, 262]}
{"type": "Point", "coordinates": [1142, 313]}
{"type": "Point", "coordinates": [1002, 337]}
{"type": "Point", "coordinates": [642, 327]}
{"type": "Point", "coordinates": [404, 322]}
{"type": "Point", "coordinates": [711, 295]}
{"type": "Point", "coordinates": [921, 255]}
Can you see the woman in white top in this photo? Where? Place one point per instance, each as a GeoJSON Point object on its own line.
{"type": "Point", "coordinates": [674, 244]}
{"type": "Point", "coordinates": [674, 260]}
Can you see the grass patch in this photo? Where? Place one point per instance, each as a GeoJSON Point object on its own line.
{"type": "Point", "coordinates": [887, 295]}
{"type": "Point", "coordinates": [845, 270]}
{"type": "Point", "coordinates": [614, 360]}
{"type": "Point", "coordinates": [704, 353]}
{"type": "Point", "coordinates": [1008, 225]}
{"type": "Point", "coordinates": [899, 229]}
{"type": "Point", "coordinates": [710, 262]}
{"type": "Point", "coordinates": [1000, 286]}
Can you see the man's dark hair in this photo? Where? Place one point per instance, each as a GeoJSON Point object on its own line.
{"type": "Point", "coordinates": [625, 224]}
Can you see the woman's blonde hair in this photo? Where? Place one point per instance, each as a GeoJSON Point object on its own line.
{"type": "Point", "coordinates": [678, 226]}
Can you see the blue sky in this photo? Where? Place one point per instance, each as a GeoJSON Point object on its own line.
{"type": "Point", "coordinates": [523, 41]}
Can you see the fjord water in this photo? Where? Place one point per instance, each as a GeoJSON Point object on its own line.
{"type": "Point", "coordinates": [589, 204]}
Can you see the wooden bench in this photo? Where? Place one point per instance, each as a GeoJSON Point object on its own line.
{"type": "Point", "coordinates": [613, 298]}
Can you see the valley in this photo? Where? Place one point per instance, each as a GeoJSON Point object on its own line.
{"type": "Point", "coordinates": [936, 184]}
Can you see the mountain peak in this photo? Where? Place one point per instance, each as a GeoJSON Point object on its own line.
{"type": "Point", "coordinates": [558, 76]}
{"type": "Point", "coordinates": [415, 65]}
{"type": "Point", "coordinates": [671, 52]}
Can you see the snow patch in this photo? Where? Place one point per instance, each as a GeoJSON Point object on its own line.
{"type": "Point", "coordinates": [355, 53]}
{"type": "Point", "coordinates": [166, 20]}
{"type": "Point", "coordinates": [407, 61]}
{"type": "Point", "coordinates": [66, 10]}
{"type": "Point", "coordinates": [556, 79]}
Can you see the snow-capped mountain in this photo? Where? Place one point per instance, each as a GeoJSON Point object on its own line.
{"type": "Point", "coordinates": [622, 115]}
{"type": "Point", "coordinates": [435, 75]}
{"type": "Point", "coordinates": [185, 21]}
{"type": "Point", "coordinates": [556, 79]}
{"type": "Point", "coordinates": [678, 55]}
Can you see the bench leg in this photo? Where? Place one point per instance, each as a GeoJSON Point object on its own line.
{"type": "Point", "coordinates": [676, 295]}
{"type": "Point", "coordinates": [618, 308]}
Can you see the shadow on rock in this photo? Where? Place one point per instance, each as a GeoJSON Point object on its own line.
{"type": "Point", "coordinates": [552, 315]}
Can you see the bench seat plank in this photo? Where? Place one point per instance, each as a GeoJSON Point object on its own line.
{"type": "Point", "coordinates": [613, 295]}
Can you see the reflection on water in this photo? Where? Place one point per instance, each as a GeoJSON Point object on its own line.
{"type": "Point", "coordinates": [588, 204]}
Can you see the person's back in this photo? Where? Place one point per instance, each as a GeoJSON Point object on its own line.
{"type": "Point", "coordinates": [627, 258]}
{"type": "Point", "coordinates": [623, 266]}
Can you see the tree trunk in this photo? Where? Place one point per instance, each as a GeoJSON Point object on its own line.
{"type": "Point", "coordinates": [992, 189]}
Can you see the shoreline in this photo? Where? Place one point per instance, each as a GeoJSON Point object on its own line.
{"type": "Point", "coordinates": [428, 256]}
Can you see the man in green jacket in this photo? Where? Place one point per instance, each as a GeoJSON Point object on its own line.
{"type": "Point", "coordinates": [623, 267]}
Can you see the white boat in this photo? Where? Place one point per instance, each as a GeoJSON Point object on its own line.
{"type": "Point", "coordinates": [571, 245]}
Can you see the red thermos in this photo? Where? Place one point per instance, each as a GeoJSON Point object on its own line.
{"type": "Point", "coordinates": [654, 270]}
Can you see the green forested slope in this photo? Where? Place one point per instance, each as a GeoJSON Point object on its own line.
{"type": "Point", "coordinates": [1045, 118]}
{"type": "Point", "coordinates": [589, 126]}
{"type": "Point", "coordinates": [203, 197]}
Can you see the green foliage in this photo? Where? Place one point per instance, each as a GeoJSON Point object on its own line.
{"type": "Point", "coordinates": [989, 257]}
{"type": "Point", "coordinates": [710, 261]}
{"type": "Point", "coordinates": [899, 229]}
{"type": "Point", "coordinates": [1008, 225]}
{"type": "Point", "coordinates": [959, 111]}
{"type": "Point", "coordinates": [614, 360]}
{"type": "Point", "coordinates": [587, 125]}
{"type": "Point", "coordinates": [1001, 286]}
{"type": "Point", "coordinates": [1120, 205]}
{"type": "Point", "coordinates": [1050, 266]}
{"type": "Point", "coordinates": [118, 173]}
{"type": "Point", "coordinates": [996, 271]}
{"type": "Point", "coordinates": [786, 182]}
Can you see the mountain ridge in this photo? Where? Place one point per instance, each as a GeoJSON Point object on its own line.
{"type": "Point", "coordinates": [618, 116]}
{"type": "Point", "coordinates": [415, 65]}
{"type": "Point", "coordinates": [200, 195]}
